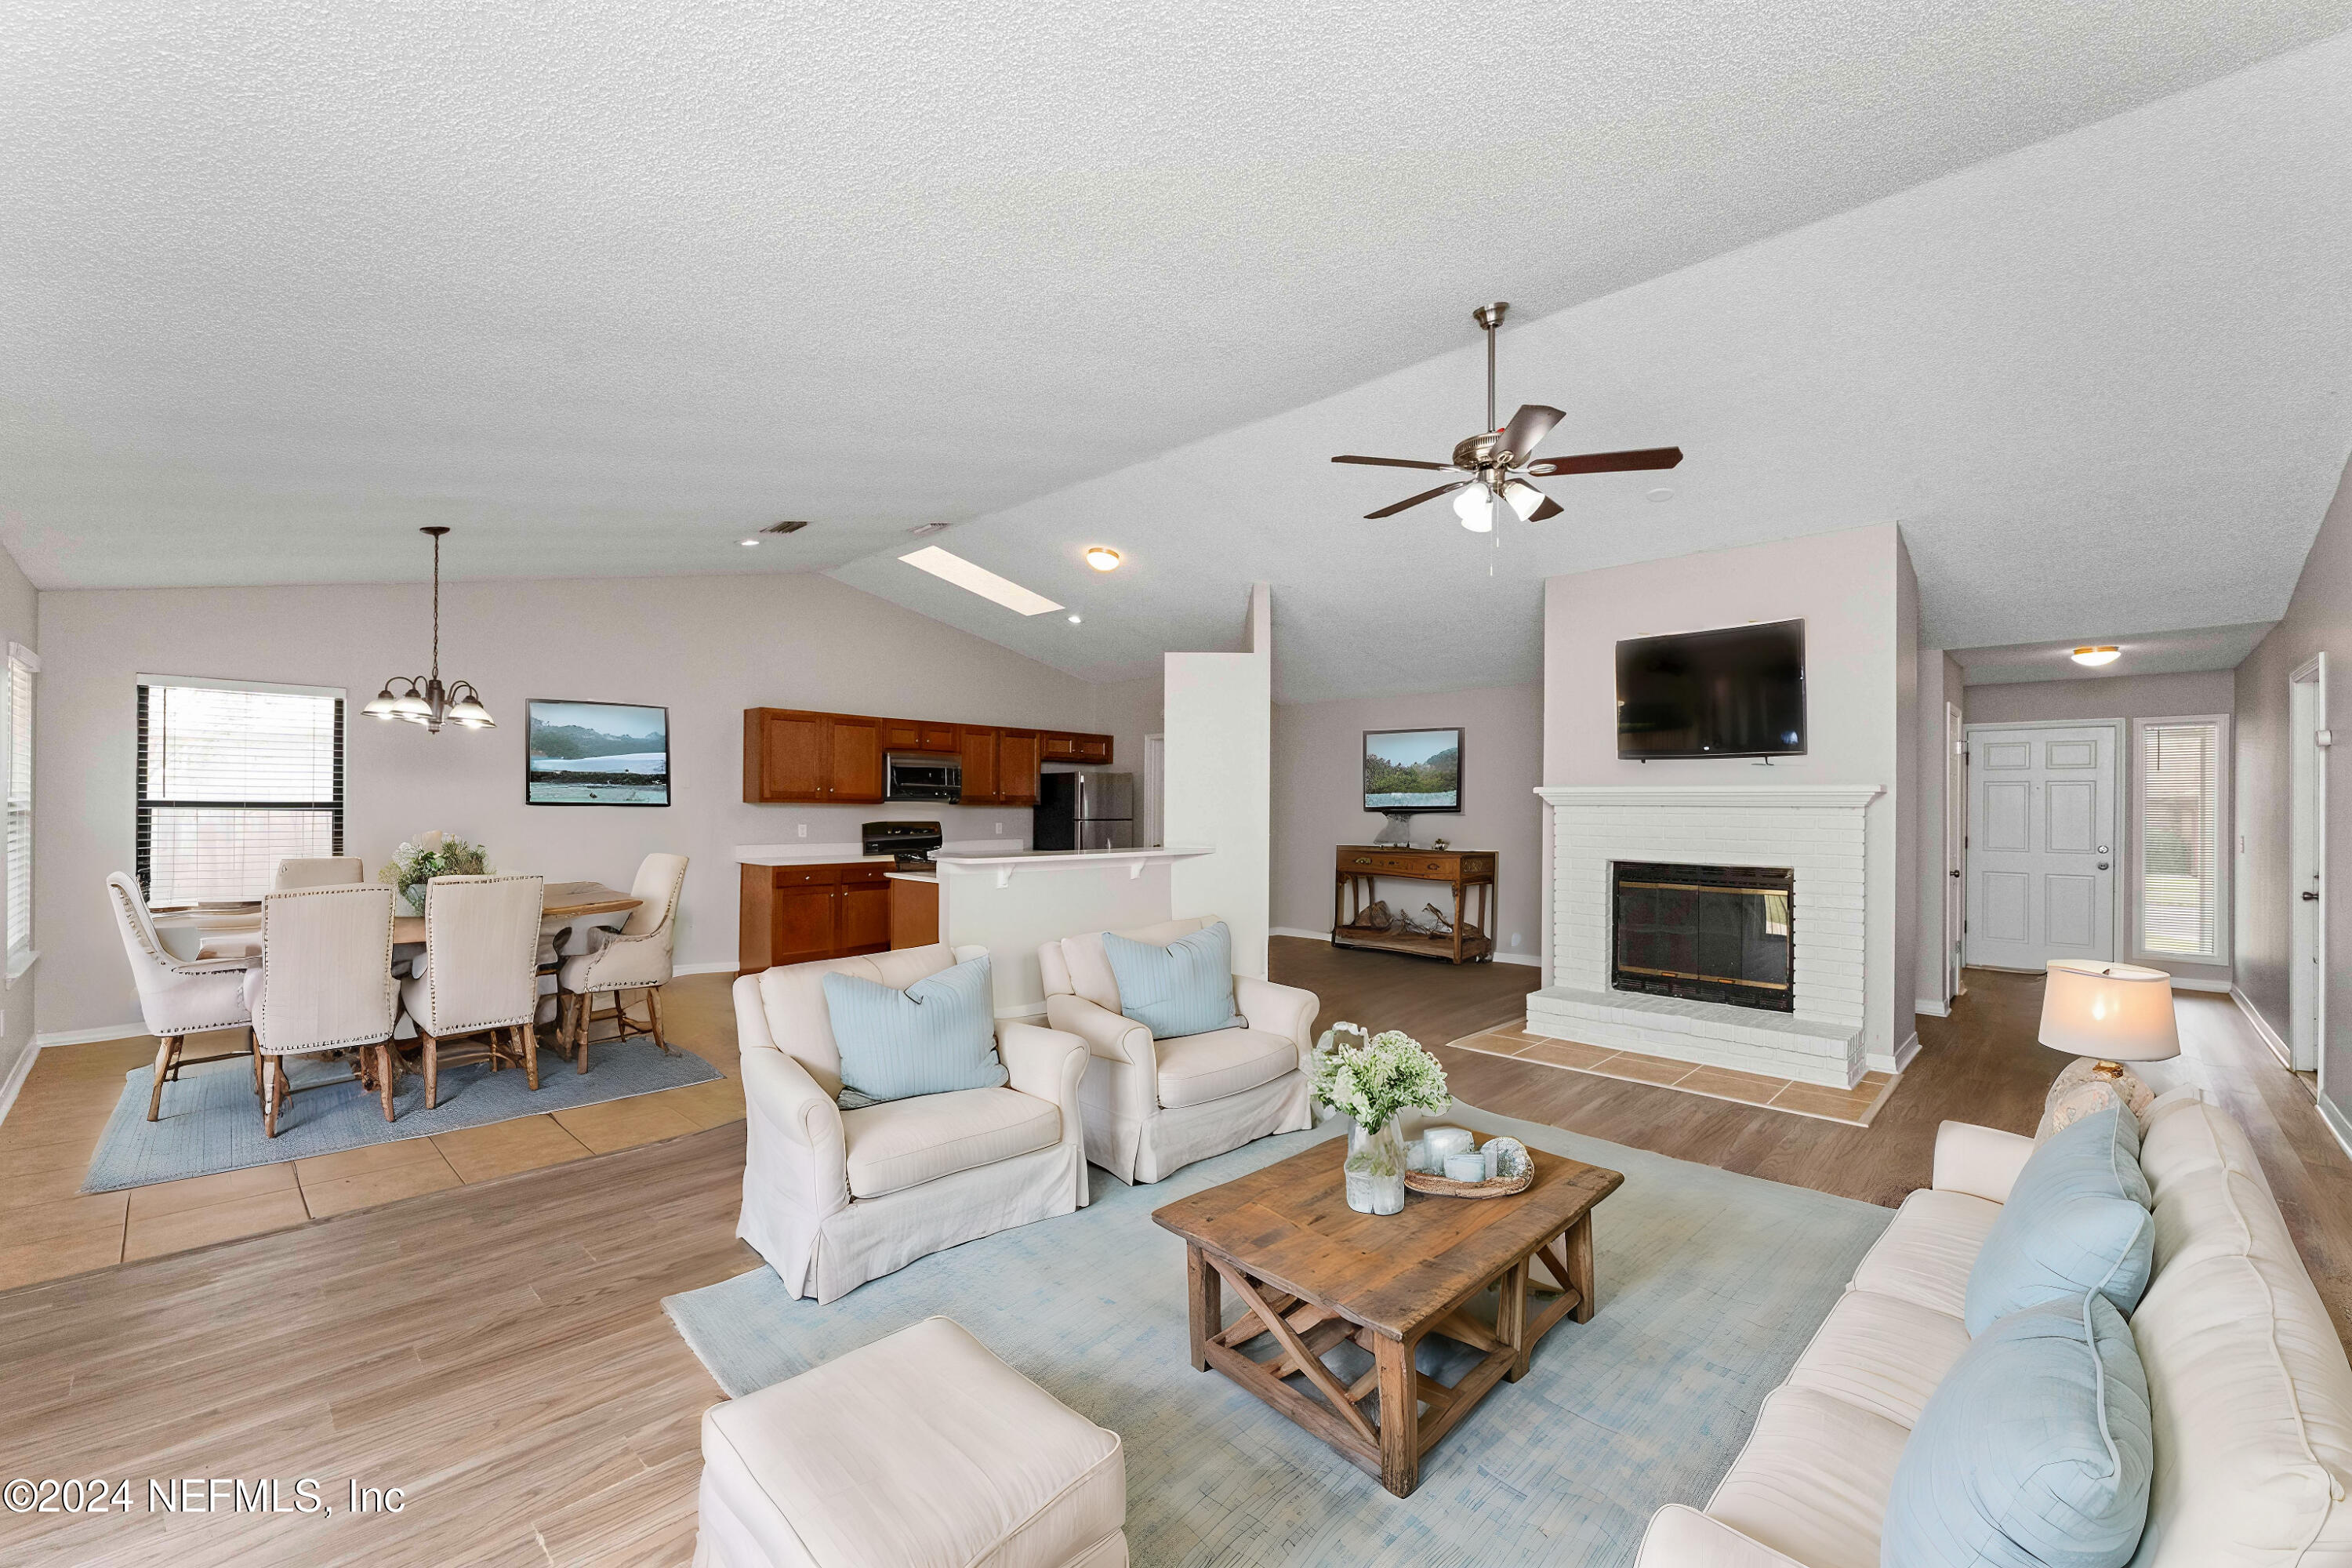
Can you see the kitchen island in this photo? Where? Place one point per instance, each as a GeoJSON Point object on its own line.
{"type": "Point", "coordinates": [1011, 901]}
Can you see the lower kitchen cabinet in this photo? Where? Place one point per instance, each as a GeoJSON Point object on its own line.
{"type": "Point", "coordinates": [796, 914]}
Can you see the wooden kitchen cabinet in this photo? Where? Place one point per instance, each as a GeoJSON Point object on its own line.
{"type": "Point", "coordinates": [1017, 755]}
{"type": "Point", "coordinates": [1068, 746]}
{"type": "Point", "coordinates": [796, 914]}
{"type": "Point", "coordinates": [979, 747]}
{"type": "Point", "coordinates": [914, 912]}
{"type": "Point", "coordinates": [918, 735]}
{"type": "Point", "coordinates": [789, 755]}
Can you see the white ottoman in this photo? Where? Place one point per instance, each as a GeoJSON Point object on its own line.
{"type": "Point", "coordinates": [921, 1451]}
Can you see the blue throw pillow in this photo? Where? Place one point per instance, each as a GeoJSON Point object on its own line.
{"type": "Point", "coordinates": [2033, 1452]}
{"type": "Point", "coordinates": [937, 1036]}
{"type": "Point", "coordinates": [2077, 1220]}
{"type": "Point", "coordinates": [1184, 988]}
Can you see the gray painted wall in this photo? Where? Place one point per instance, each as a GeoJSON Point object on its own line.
{"type": "Point", "coordinates": [2104, 697]}
{"type": "Point", "coordinates": [1318, 791]}
{"type": "Point", "coordinates": [707, 647]}
{"type": "Point", "coordinates": [2318, 620]}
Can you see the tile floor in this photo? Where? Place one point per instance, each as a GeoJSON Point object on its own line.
{"type": "Point", "coordinates": [48, 1229]}
{"type": "Point", "coordinates": [1853, 1106]}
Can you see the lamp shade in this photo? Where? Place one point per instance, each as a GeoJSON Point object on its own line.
{"type": "Point", "coordinates": [2116, 1012]}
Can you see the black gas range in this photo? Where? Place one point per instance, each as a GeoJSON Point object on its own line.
{"type": "Point", "coordinates": [911, 842]}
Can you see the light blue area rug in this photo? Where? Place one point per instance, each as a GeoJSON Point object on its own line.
{"type": "Point", "coordinates": [1709, 1285]}
{"type": "Point", "coordinates": [211, 1123]}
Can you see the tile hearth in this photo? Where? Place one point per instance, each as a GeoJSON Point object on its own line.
{"type": "Point", "coordinates": [1855, 1106]}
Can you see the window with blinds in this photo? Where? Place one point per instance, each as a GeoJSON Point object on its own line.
{"type": "Point", "coordinates": [234, 777]}
{"type": "Point", "coordinates": [2180, 838]}
{"type": "Point", "coordinates": [23, 665]}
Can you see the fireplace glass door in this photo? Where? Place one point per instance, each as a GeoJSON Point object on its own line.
{"type": "Point", "coordinates": [1706, 933]}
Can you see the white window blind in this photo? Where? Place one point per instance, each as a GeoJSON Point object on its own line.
{"type": "Point", "coordinates": [2181, 839]}
{"type": "Point", "coordinates": [23, 665]}
{"type": "Point", "coordinates": [232, 779]}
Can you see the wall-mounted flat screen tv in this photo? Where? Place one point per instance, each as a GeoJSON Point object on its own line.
{"type": "Point", "coordinates": [1412, 770]}
{"type": "Point", "coordinates": [1736, 692]}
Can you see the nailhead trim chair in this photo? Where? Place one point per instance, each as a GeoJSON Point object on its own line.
{"type": "Point", "coordinates": [324, 983]}
{"type": "Point", "coordinates": [179, 997]}
{"type": "Point", "coordinates": [338, 872]}
{"type": "Point", "coordinates": [479, 974]}
{"type": "Point", "coordinates": [635, 958]}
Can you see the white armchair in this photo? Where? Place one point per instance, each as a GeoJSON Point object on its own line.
{"type": "Point", "coordinates": [833, 1198]}
{"type": "Point", "coordinates": [1153, 1106]}
{"type": "Point", "coordinates": [179, 997]}
{"type": "Point", "coordinates": [324, 984]}
{"type": "Point", "coordinates": [480, 975]}
{"type": "Point", "coordinates": [635, 958]}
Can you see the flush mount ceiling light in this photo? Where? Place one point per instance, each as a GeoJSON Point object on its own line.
{"type": "Point", "coordinates": [748, 543]}
{"type": "Point", "coordinates": [1076, 619]}
{"type": "Point", "coordinates": [422, 700]}
{"type": "Point", "coordinates": [1102, 558]}
{"type": "Point", "coordinates": [2104, 653]}
{"type": "Point", "coordinates": [949, 567]}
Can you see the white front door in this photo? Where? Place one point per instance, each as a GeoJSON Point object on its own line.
{"type": "Point", "coordinates": [2306, 851]}
{"type": "Point", "coordinates": [2042, 843]}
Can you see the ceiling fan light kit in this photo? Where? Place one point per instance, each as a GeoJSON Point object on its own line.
{"type": "Point", "coordinates": [422, 698]}
{"type": "Point", "coordinates": [1497, 461]}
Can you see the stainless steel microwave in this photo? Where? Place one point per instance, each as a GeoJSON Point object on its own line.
{"type": "Point", "coordinates": [906, 776]}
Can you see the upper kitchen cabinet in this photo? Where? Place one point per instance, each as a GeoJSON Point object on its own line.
{"type": "Point", "coordinates": [1064, 746]}
{"type": "Point", "coordinates": [978, 746]}
{"type": "Point", "coordinates": [918, 735]}
{"type": "Point", "coordinates": [793, 756]}
{"type": "Point", "coordinates": [1017, 755]}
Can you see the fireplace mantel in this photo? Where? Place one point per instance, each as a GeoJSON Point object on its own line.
{"type": "Point", "coordinates": [1749, 797]}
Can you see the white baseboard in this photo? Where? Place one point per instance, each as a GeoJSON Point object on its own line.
{"type": "Point", "coordinates": [702, 969]}
{"type": "Point", "coordinates": [2215, 986]}
{"type": "Point", "coordinates": [1933, 1009]}
{"type": "Point", "coordinates": [1907, 1052]}
{"type": "Point", "coordinates": [2336, 1123]}
{"type": "Point", "coordinates": [89, 1037]}
{"type": "Point", "coordinates": [2269, 1036]}
{"type": "Point", "coordinates": [16, 1076]}
{"type": "Point", "coordinates": [1535, 960]}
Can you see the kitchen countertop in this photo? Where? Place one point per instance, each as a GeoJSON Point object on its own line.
{"type": "Point", "coordinates": [931, 877]}
{"type": "Point", "coordinates": [855, 854]}
{"type": "Point", "coordinates": [1007, 859]}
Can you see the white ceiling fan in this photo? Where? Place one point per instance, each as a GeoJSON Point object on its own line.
{"type": "Point", "coordinates": [1500, 462]}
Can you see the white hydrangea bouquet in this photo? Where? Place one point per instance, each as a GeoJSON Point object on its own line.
{"type": "Point", "coordinates": [1374, 1079]}
{"type": "Point", "coordinates": [432, 855]}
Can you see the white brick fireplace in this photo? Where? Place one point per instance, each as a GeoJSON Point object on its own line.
{"type": "Point", "coordinates": [1816, 831]}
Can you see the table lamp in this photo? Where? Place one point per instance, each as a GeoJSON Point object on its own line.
{"type": "Point", "coordinates": [2106, 1015]}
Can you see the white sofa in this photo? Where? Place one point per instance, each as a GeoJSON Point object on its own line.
{"type": "Point", "coordinates": [2251, 1391]}
{"type": "Point", "coordinates": [1153, 1106]}
{"type": "Point", "coordinates": [833, 1198]}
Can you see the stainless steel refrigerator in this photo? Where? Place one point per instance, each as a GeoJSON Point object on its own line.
{"type": "Point", "coordinates": [1086, 810]}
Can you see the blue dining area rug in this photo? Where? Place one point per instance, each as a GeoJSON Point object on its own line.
{"type": "Point", "coordinates": [1709, 1285]}
{"type": "Point", "coordinates": [211, 1120]}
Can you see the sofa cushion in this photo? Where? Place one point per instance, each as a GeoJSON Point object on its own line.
{"type": "Point", "coordinates": [1813, 1481]}
{"type": "Point", "coordinates": [1176, 988]}
{"type": "Point", "coordinates": [2035, 1450]}
{"type": "Point", "coordinates": [2077, 1220]}
{"type": "Point", "coordinates": [921, 1450]}
{"type": "Point", "coordinates": [935, 1036]}
{"type": "Point", "coordinates": [2252, 1396]}
{"type": "Point", "coordinates": [1925, 1254]}
{"type": "Point", "coordinates": [1198, 1069]}
{"type": "Point", "coordinates": [906, 1142]}
{"type": "Point", "coordinates": [1881, 1352]}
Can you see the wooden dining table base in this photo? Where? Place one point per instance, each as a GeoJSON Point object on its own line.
{"type": "Point", "coordinates": [1376, 1421]}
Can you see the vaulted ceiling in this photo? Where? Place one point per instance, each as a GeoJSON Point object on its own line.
{"type": "Point", "coordinates": [2057, 287]}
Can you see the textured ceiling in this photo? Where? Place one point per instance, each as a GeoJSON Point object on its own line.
{"type": "Point", "coordinates": [603, 286]}
{"type": "Point", "coordinates": [2146, 653]}
{"type": "Point", "coordinates": [2101, 382]}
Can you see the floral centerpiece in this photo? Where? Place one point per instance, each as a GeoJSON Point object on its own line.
{"type": "Point", "coordinates": [1375, 1078]}
{"type": "Point", "coordinates": [431, 855]}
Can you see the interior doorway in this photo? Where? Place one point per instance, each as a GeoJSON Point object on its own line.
{"type": "Point", "coordinates": [2042, 824]}
{"type": "Point", "coordinates": [1956, 851]}
{"type": "Point", "coordinates": [2308, 854]}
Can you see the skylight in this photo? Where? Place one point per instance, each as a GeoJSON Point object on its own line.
{"type": "Point", "coordinates": [955, 569]}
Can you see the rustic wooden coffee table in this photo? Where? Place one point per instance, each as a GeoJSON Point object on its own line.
{"type": "Point", "coordinates": [1311, 1273]}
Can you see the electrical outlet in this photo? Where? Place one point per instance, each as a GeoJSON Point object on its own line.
{"type": "Point", "coordinates": [999, 827]}
{"type": "Point", "coordinates": [1515, 939]}
{"type": "Point", "coordinates": [803, 827]}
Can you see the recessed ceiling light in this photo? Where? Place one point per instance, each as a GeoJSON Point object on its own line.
{"type": "Point", "coordinates": [1075, 619]}
{"type": "Point", "coordinates": [748, 543]}
{"type": "Point", "coordinates": [2106, 653]}
{"type": "Point", "coordinates": [1102, 558]}
{"type": "Point", "coordinates": [1661, 493]}
{"type": "Point", "coordinates": [979, 579]}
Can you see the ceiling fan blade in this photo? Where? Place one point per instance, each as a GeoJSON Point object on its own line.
{"type": "Point", "coordinates": [1607, 462]}
{"type": "Point", "coordinates": [1415, 500]}
{"type": "Point", "coordinates": [1394, 462]}
{"type": "Point", "coordinates": [1526, 430]}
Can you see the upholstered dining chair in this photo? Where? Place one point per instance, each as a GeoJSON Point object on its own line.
{"type": "Point", "coordinates": [324, 983]}
{"type": "Point", "coordinates": [480, 975]}
{"type": "Point", "coordinates": [178, 997]}
{"type": "Point", "coordinates": [327, 871]}
{"type": "Point", "coordinates": [635, 958]}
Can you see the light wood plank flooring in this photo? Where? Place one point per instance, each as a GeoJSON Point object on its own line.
{"type": "Point", "coordinates": [498, 1348]}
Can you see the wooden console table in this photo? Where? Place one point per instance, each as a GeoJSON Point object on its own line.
{"type": "Point", "coordinates": [1472, 940]}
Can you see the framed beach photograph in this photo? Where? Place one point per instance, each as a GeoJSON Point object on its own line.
{"type": "Point", "coordinates": [595, 753]}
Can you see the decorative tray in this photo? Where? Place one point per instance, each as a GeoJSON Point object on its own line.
{"type": "Point", "coordinates": [1439, 1186]}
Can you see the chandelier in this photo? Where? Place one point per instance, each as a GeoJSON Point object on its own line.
{"type": "Point", "coordinates": [422, 700]}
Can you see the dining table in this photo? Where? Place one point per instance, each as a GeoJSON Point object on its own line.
{"type": "Point", "coordinates": [234, 929]}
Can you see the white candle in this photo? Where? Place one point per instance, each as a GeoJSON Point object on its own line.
{"type": "Point", "coordinates": [1466, 1167]}
{"type": "Point", "coordinates": [1447, 1142]}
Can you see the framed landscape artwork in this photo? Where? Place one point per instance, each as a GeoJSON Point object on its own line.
{"type": "Point", "coordinates": [596, 754]}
